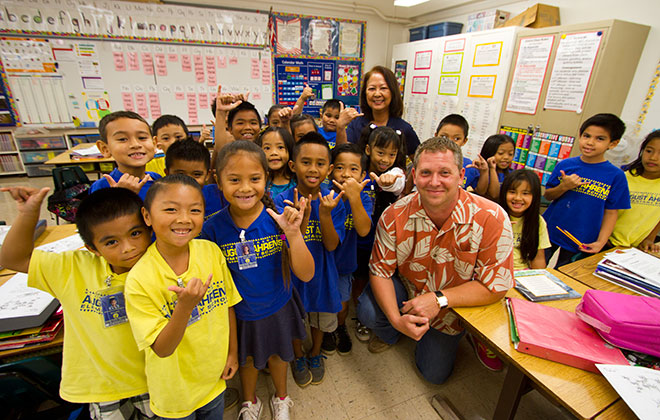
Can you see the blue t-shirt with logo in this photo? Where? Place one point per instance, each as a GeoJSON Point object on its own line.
{"type": "Point", "coordinates": [321, 293]}
{"type": "Point", "coordinates": [262, 287]}
{"type": "Point", "coordinates": [346, 253]}
{"type": "Point", "coordinates": [329, 136]}
{"type": "Point", "coordinates": [471, 176]}
{"type": "Point", "coordinates": [580, 211]}
{"type": "Point", "coordinates": [116, 174]}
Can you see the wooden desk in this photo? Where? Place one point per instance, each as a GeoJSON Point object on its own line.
{"type": "Point", "coordinates": [617, 411]}
{"type": "Point", "coordinates": [51, 234]}
{"type": "Point", "coordinates": [64, 159]}
{"type": "Point", "coordinates": [583, 393]}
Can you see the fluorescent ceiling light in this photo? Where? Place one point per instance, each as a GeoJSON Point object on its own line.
{"type": "Point", "coordinates": [408, 3]}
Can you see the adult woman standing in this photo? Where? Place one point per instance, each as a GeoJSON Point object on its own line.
{"type": "Point", "coordinates": [381, 104]}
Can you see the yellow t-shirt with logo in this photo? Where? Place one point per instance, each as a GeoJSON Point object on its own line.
{"type": "Point", "coordinates": [99, 364]}
{"type": "Point", "coordinates": [635, 223]}
{"type": "Point", "coordinates": [157, 165]}
{"type": "Point", "coordinates": [517, 225]}
{"type": "Point", "coordinates": [189, 378]}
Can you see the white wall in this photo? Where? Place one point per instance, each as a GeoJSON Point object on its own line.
{"type": "Point", "coordinates": [644, 12]}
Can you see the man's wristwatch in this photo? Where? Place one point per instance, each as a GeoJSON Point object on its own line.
{"type": "Point", "coordinates": [441, 299]}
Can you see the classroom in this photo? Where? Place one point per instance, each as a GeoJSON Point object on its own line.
{"type": "Point", "coordinates": [320, 251]}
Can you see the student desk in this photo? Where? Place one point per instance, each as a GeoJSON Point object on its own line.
{"type": "Point", "coordinates": [64, 159]}
{"type": "Point", "coordinates": [583, 271]}
{"type": "Point", "coordinates": [51, 234]}
{"type": "Point", "coordinates": [586, 395]}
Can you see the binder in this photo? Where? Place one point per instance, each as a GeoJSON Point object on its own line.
{"type": "Point", "coordinates": [558, 335]}
{"type": "Point", "coordinates": [22, 306]}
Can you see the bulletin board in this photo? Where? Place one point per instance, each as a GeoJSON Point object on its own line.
{"type": "Point", "coordinates": [464, 74]}
{"type": "Point", "coordinates": [152, 59]}
{"type": "Point", "coordinates": [325, 53]}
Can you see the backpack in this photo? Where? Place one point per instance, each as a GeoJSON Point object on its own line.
{"type": "Point", "coordinates": [71, 187]}
{"type": "Point", "coordinates": [626, 321]}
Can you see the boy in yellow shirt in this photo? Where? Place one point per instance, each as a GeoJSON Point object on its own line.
{"type": "Point", "coordinates": [101, 362]}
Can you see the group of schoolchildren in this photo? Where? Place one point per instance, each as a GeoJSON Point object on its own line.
{"type": "Point", "coordinates": [213, 278]}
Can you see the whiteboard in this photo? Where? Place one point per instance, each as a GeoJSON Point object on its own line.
{"type": "Point", "coordinates": [151, 78]}
{"type": "Point", "coordinates": [464, 74]}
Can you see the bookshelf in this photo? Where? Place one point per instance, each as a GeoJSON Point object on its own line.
{"type": "Point", "coordinates": [10, 158]}
{"type": "Point", "coordinates": [37, 149]}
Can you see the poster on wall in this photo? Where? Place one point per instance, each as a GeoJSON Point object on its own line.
{"type": "Point", "coordinates": [482, 86]}
{"type": "Point", "coordinates": [320, 33]}
{"type": "Point", "coordinates": [452, 63]}
{"type": "Point", "coordinates": [420, 84]}
{"type": "Point", "coordinates": [571, 72]}
{"type": "Point", "coordinates": [487, 54]}
{"type": "Point", "coordinates": [400, 74]}
{"type": "Point", "coordinates": [449, 85]}
{"type": "Point", "coordinates": [350, 36]}
{"type": "Point", "coordinates": [529, 74]}
{"type": "Point", "coordinates": [329, 79]}
{"type": "Point", "coordinates": [288, 36]}
{"type": "Point", "coordinates": [423, 60]}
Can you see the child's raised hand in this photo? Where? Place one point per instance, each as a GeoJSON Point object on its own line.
{"type": "Point", "coordinates": [307, 93]}
{"type": "Point", "coordinates": [480, 164]}
{"type": "Point", "coordinates": [384, 180]}
{"type": "Point", "coordinates": [351, 188]}
{"type": "Point", "coordinates": [491, 163]}
{"type": "Point", "coordinates": [290, 218]}
{"type": "Point", "coordinates": [192, 294]}
{"type": "Point", "coordinates": [571, 181]}
{"type": "Point", "coordinates": [128, 181]}
{"type": "Point", "coordinates": [226, 102]}
{"type": "Point", "coordinates": [346, 115]}
{"type": "Point", "coordinates": [285, 114]}
{"type": "Point", "coordinates": [27, 199]}
{"type": "Point", "coordinates": [231, 366]}
{"type": "Point", "coordinates": [329, 202]}
{"type": "Point", "coordinates": [205, 133]}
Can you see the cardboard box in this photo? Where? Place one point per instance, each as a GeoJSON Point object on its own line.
{"type": "Point", "coordinates": [537, 16]}
{"type": "Point", "coordinates": [489, 19]}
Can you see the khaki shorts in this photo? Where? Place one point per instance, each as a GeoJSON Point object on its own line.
{"type": "Point", "coordinates": [323, 321]}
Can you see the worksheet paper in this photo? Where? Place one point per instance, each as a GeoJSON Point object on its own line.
{"type": "Point", "coordinates": [70, 243]}
{"type": "Point", "coordinates": [452, 63]}
{"type": "Point", "coordinates": [571, 71]}
{"type": "Point", "coordinates": [639, 262]}
{"type": "Point", "coordinates": [449, 85]}
{"type": "Point", "coordinates": [18, 300]}
{"type": "Point", "coordinates": [638, 386]}
{"type": "Point", "coordinates": [423, 60]}
{"type": "Point", "coordinates": [529, 73]}
{"type": "Point", "coordinates": [487, 54]}
{"type": "Point", "coordinates": [540, 285]}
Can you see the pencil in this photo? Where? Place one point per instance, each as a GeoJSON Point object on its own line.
{"type": "Point", "coordinates": [571, 237]}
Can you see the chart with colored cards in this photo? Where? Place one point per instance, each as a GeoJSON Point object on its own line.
{"type": "Point", "coordinates": [348, 80]}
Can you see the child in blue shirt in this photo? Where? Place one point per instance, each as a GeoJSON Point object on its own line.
{"type": "Point", "coordinates": [324, 231]}
{"type": "Point", "coordinates": [348, 176]}
{"type": "Point", "coordinates": [191, 158]}
{"type": "Point", "coordinates": [126, 137]}
{"type": "Point", "coordinates": [277, 144]}
{"type": "Point", "coordinates": [455, 127]}
{"type": "Point", "coordinates": [258, 245]}
{"type": "Point", "coordinates": [493, 163]}
{"type": "Point", "coordinates": [329, 117]}
{"type": "Point", "coordinates": [587, 191]}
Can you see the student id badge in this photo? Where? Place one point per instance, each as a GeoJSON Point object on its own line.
{"type": "Point", "coordinates": [247, 257]}
{"type": "Point", "coordinates": [113, 306]}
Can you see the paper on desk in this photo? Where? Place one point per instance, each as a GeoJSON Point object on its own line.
{"type": "Point", "coordinates": [638, 386]}
{"type": "Point", "coordinates": [540, 285]}
{"type": "Point", "coordinates": [87, 151]}
{"type": "Point", "coordinates": [18, 300]}
{"type": "Point", "coordinates": [70, 243]}
{"type": "Point", "coordinates": [639, 262]}
{"type": "Point", "coordinates": [3, 233]}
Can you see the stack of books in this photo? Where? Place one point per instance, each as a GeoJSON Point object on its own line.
{"type": "Point", "coordinates": [633, 269]}
{"type": "Point", "coordinates": [17, 339]}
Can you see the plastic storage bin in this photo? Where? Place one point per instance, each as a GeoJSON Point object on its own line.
{"type": "Point", "coordinates": [417, 34]}
{"type": "Point", "coordinates": [443, 29]}
{"type": "Point", "coordinates": [39, 170]}
{"type": "Point", "coordinates": [40, 156]}
{"type": "Point", "coordinates": [42, 143]}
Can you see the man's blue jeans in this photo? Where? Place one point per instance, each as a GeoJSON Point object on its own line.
{"type": "Point", "coordinates": [435, 352]}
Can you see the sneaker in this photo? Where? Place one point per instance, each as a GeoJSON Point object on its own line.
{"type": "Point", "coordinates": [329, 344]}
{"type": "Point", "coordinates": [250, 410]}
{"type": "Point", "coordinates": [281, 409]}
{"type": "Point", "coordinates": [300, 371]}
{"type": "Point", "coordinates": [317, 367]}
{"type": "Point", "coordinates": [344, 343]}
{"type": "Point", "coordinates": [361, 332]}
{"type": "Point", "coordinates": [376, 345]}
{"type": "Point", "coordinates": [485, 355]}
{"type": "Point", "coordinates": [231, 398]}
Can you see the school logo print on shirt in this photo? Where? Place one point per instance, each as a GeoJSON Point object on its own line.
{"type": "Point", "coordinates": [597, 189]}
{"type": "Point", "coordinates": [215, 297]}
{"type": "Point", "coordinates": [91, 302]}
{"type": "Point", "coordinates": [644, 199]}
{"type": "Point", "coordinates": [313, 232]}
{"type": "Point", "coordinates": [348, 223]}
